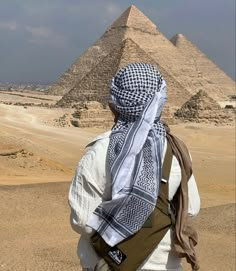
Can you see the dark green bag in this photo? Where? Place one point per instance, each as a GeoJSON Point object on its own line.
{"type": "Point", "coordinates": [130, 253]}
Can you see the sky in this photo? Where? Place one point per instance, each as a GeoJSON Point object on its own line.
{"type": "Point", "coordinates": [39, 40]}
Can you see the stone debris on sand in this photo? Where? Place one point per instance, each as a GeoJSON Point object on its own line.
{"type": "Point", "coordinates": [63, 121]}
{"type": "Point", "coordinates": [87, 114]}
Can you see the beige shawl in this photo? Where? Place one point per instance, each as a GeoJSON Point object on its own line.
{"type": "Point", "coordinates": [185, 234]}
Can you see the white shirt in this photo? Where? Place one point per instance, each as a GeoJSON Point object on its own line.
{"type": "Point", "coordinates": [92, 184]}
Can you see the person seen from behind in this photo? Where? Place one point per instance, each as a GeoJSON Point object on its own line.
{"type": "Point", "coordinates": [118, 187]}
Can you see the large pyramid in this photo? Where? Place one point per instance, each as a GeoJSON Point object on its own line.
{"type": "Point", "coordinates": [112, 38]}
{"type": "Point", "coordinates": [204, 66]}
{"type": "Point", "coordinates": [95, 85]}
{"type": "Point", "coordinates": [133, 37]}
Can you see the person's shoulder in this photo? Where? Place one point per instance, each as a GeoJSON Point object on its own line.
{"type": "Point", "coordinates": [95, 151]}
{"type": "Point", "coordinates": [99, 140]}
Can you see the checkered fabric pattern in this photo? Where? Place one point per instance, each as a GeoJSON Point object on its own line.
{"type": "Point", "coordinates": [138, 93]}
{"type": "Point", "coordinates": [133, 87]}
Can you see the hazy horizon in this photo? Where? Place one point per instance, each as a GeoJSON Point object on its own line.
{"type": "Point", "coordinates": [40, 40]}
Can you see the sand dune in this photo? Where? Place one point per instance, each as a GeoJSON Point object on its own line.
{"type": "Point", "coordinates": [35, 234]}
{"type": "Point", "coordinates": [34, 230]}
{"type": "Point", "coordinates": [31, 129]}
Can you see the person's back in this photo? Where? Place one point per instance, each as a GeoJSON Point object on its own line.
{"type": "Point", "coordinates": [116, 162]}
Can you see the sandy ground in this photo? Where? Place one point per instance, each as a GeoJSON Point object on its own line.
{"type": "Point", "coordinates": [33, 97]}
{"type": "Point", "coordinates": [37, 161]}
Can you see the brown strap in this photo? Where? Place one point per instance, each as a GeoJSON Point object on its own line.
{"type": "Point", "coordinates": [167, 163]}
{"type": "Point", "coordinates": [163, 203]}
{"type": "Point", "coordinates": [185, 236]}
{"type": "Point", "coordinates": [166, 167]}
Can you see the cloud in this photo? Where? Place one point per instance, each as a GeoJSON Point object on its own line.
{"type": "Point", "coordinates": [45, 35]}
{"type": "Point", "coordinates": [39, 32]}
{"type": "Point", "coordinates": [96, 11]}
{"type": "Point", "coordinates": [61, 30]}
{"type": "Point", "coordinates": [110, 13]}
{"type": "Point", "coordinates": [9, 25]}
{"type": "Point", "coordinates": [113, 10]}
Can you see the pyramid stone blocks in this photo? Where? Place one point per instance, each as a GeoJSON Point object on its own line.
{"type": "Point", "coordinates": [134, 38]}
{"type": "Point", "coordinates": [202, 108]}
{"type": "Point", "coordinates": [95, 85]}
{"type": "Point", "coordinates": [219, 83]}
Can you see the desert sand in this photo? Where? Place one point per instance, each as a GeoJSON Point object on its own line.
{"type": "Point", "coordinates": [37, 162]}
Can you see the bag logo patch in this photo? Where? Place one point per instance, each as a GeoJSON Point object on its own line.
{"type": "Point", "coordinates": [116, 255]}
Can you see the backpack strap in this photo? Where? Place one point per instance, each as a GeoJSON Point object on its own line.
{"type": "Point", "coordinates": [127, 255]}
{"type": "Point", "coordinates": [167, 163]}
{"type": "Point", "coordinates": [164, 204]}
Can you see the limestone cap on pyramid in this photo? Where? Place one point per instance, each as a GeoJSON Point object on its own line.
{"type": "Point", "coordinates": [183, 44]}
{"type": "Point", "coordinates": [178, 38]}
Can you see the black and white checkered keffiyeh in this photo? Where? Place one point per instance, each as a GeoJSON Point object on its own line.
{"type": "Point", "coordinates": [138, 93]}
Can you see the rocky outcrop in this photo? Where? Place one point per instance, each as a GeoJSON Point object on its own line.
{"type": "Point", "coordinates": [92, 114]}
{"type": "Point", "coordinates": [87, 114]}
